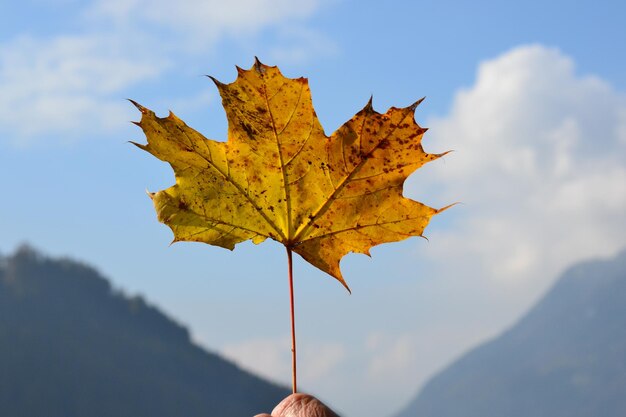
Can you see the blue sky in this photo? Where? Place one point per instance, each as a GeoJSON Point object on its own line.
{"type": "Point", "coordinates": [529, 95]}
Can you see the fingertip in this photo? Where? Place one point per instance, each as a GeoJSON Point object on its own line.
{"type": "Point", "coordinates": [290, 403]}
{"type": "Point", "coordinates": [302, 405]}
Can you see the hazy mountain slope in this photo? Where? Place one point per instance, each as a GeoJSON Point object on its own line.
{"type": "Point", "coordinates": [70, 346]}
{"type": "Point", "coordinates": [566, 357]}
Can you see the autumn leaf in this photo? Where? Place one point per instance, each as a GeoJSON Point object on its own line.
{"type": "Point", "coordinates": [279, 176]}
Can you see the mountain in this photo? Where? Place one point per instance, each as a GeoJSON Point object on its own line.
{"type": "Point", "coordinates": [566, 357]}
{"type": "Point", "coordinates": [70, 346]}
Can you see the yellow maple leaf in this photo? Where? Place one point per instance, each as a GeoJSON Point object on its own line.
{"type": "Point", "coordinates": [279, 176]}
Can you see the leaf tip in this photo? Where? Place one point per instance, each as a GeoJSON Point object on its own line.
{"type": "Point", "coordinates": [417, 103]}
{"type": "Point", "coordinates": [437, 211]}
{"type": "Point", "coordinates": [439, 155]}
{"type": "Point", "coordinates": [218, 83]}
{"type": "Point", "coordinates": [172, 116]}
{"type": "Point", "coordinates": [139, 145]}
{"type": "Point", "coordinates": [141, 108]}
{"type": "Point", "coordinates": [369, 106]}
{"type": "Point", "coordinates": [150, 194]}
{"type": "Point", "coordinates": [260, 67]}
{"type": "Point", "coordinates": [337, 275]}
{"type": "Point", "coordinates": [345, 285]}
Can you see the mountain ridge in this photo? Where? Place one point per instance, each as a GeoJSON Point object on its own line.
{"type": "Point", "coordinates": [565, 357]}
{"type": "Point", "coordinates": [71, 345]}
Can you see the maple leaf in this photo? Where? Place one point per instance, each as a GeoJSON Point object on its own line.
{"type": "Point", "coordinates": [279, 176]}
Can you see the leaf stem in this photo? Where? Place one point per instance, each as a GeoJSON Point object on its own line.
{"type": "Point", "coordinates": [293, 323]}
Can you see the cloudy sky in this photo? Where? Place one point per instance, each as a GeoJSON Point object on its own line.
{"type": "Point", "coordinates": [530, 96]}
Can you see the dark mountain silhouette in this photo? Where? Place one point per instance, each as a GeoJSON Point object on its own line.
{"type": "Point", "coordinates": [565, 358]}
{"type": "Point", "coordinates": [72, 346]}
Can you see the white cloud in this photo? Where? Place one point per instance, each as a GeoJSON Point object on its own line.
{"type": "Point", "coordinates": [202, 22]}
{"type": "Point", "coordinates": [300, 44]}
{"type": "Point", "coordinates": [202, 15]}
{"type": "Point", "coordinates": [389, 355]}
{"type": "Point", "coordinates": [73, 85]}
{"type": "Point", "coordinates": [271, 358]}
{"type": "Point", "coordinates": [67, 84]}
{"type": "Point", "coordinates": [540, 167]}
{"type": "Point", "coordinates": [621, 127]}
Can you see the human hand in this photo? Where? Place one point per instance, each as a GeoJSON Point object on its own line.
{"type": "Point", "coordinates": [300, 405]}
